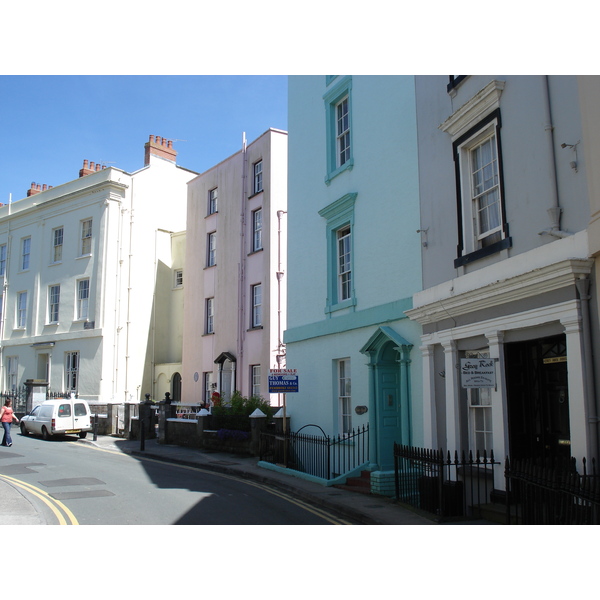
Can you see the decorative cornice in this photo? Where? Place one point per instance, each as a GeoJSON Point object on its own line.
{"type": "Point", "coordinates": [526, 285]}
{"type": "Point", "coordinates": [481, 104]}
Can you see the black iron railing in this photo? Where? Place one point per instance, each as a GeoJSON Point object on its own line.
{"type": "Point", "coordinates": [433, 481]}
{"type": "Point", "coordinates": [552, 492]}
{"type": "Point", "coordinates": [322, 456]}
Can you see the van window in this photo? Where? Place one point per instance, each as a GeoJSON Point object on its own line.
{"type": "Point", "coordinates": [46, 411]}
{"type": "Point", "coordinates": [80, 410]}
{"type": "Point", "coordinates": [64, 410]}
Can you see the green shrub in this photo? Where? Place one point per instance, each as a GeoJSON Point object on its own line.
{"type": "Point", "coordinates": [242, 406]}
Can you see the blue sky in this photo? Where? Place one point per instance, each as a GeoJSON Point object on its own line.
{"type": "Point", "coordinates": [51, 123]}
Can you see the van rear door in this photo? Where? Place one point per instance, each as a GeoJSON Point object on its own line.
{"type": "Point", "coordinates": [82, 417]}
{"type": "Point", "coordinates": [63, 421]}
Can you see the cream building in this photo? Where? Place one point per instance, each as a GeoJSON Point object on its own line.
{"type": "Point", "coordinates": [79, 265]}
{"type": "Point", "coordinates": [234, 294]}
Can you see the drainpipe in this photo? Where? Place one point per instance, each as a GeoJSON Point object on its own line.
{"type": "Point", "coordinates": [583, 287]}
{"type": "Point", "coordinates": [554, 212]}
{"type": "Point", "coordinates": [242, 266]}
{"type": "Point", "coordinates": [4, 296]}
{"type": "Point", "coordinates": [129, 270]}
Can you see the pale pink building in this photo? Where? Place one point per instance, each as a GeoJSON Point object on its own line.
{"type": "Point", "coordinates": [234, 294]}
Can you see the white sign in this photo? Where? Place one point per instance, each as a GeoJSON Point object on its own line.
{"type": "Point", "coordinates": [478, 372]}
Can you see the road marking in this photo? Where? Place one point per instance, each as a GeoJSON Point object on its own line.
{"type": "Point", "coordinates": [308, 507]}
{"type": "Point", "coordinates": [55, 505]}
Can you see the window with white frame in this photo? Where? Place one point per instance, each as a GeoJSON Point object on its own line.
{"type": "Point", "coordinates": [480, 412]}
{"type": "Point", "coordinates": [344, 261]}
{"type": "Point", "coordinates": [213, 196]}
{"type": "Point", "coordinates": [178, 278]}
{"type": "Point", "coordinates": [209, 323]}
{"type": "Point", "coordinates": [342, 132]}
{"type": "Point", "coordinates": [344, 395]}
{"type": "Point", "coordinates": [21, 309]}
{"type": "Point", "coordinates": [57, 244]}
{"type": "Point", "coordinates": [256, 295]}
{"type": "Point", "coordinates": [25, 253]}
{"type": "Point", "coordinates": [211, 250]}
{"type": "Point", "coordinates": [2, 260]}
{"type": "Point", "coordinates": [255, 379]}
{"type": "Point", "coordinates": [338, 113]}
{"type": "Point", "coordinates": [83, 299]}
{"type": "Point", "coordinates": [12, 371]}
{"type": "Point", "coordinates": [475, 129]}
{"type": "Point", "coordinates": [53, 303]}
{"type": "Point", "coordinates": [257, 230]}
{"type": "Point", "coordinates": [71, 371]}
{"type": "Point", "coordinates": [86, 237]}
{"type": "Point", "coordinates": [258, 177]}
{"type": "Point", "coordinates": [208, 387]}
{"type": "Point", "coordinates": [340, 223]}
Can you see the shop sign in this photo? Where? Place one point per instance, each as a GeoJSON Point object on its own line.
{"type": "Point", "coordinates": [478, 372]}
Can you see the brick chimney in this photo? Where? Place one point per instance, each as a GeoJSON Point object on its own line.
{"type": "Point", "coordinates": [36, 188]}
{"type": "Point", "coordinates": [89, 168]}
{"type": "Point", "coordinates": [161, 147]}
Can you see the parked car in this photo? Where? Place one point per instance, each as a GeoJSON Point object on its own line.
{"type": "Point", "coordinates": [58, 417]}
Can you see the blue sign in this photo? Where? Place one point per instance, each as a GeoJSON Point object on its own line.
{"type": "Point", "coordinates": [283, 381]}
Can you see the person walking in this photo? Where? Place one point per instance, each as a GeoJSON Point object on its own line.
{"type": "Point", "coordinates": [7, 416]}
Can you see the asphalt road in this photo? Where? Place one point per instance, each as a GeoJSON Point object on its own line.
{"type": "Point", "coordinates": [75, 483]}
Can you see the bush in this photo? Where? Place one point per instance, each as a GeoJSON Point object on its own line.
{"type": "Point", "coordinates": [239, 405]}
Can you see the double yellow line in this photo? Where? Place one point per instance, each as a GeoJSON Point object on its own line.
{"type": "Point", "coordinates": [61, 512]}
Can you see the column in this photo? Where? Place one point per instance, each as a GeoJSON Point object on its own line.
{"type": "Point", "coordinates": [452, 396]}
{"type": "Point", "coordinates": [499, 406]}
{"type": "Point", "coordinates": [429, 412]}
{"type": "Point", "coordinates": [578, 401]}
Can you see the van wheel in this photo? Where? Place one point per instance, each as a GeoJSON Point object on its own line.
{"type": "Point", "coordinates": [23, 429]}
{"type": "Point", "coordinates": [82, 434]}
{"type": "Point", "coordinates": [45, 434]}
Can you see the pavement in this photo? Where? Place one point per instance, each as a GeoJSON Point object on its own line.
{"type": "Point", "coordinates": [17, 509]}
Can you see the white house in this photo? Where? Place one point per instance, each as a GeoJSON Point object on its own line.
{"type": "Point", "coordinates": [79, 263]}
{"type": "Point", "coordinates": [507, 271]}
{"type": "Point", "coordinates": [234, 293]}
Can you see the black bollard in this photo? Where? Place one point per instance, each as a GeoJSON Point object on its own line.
{"type": "Point", "coordinates": [95, 426]}
{"type": "Point", "coordinates": [142, 435]}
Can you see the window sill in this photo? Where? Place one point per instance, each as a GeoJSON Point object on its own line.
{"type": "Point", "coordinates": [257, 328]}
{"type": "Point", "coordinates": [206, 334]}
{"type": "Point", "coordinates": [255, 194]}
{"type": "Point", "coordinates": [467, 259]}
{"type": "Point", "coordinates": [210, 267]}
{"type": "Point", "coordinates": [53, 324]}
{"type": "Point", "coordinates": [83, 256]}
{"type": "Point", "coordinates": [351, 302]}
{"type": "Point", "coordinates": [57, 262]}
{"type": "Point", "coordinates": [212, 214]}
{"type": "Point", "coordinates": [345, 167]}
{"type": "Point", "coordinates": [255, 251]}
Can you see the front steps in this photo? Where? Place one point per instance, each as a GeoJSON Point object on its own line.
{"type": "Point", "coordinates": [361, 485]}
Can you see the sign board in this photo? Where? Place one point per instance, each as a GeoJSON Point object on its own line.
{"type": "Point", "coordinates": [283, 381]}
{"type": "Point", "coordinates": [478, 372]}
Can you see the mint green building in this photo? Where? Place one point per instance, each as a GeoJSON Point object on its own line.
{"type": "Point", "coordinates": [354, 262]}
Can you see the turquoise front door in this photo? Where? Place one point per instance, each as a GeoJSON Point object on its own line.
{"type": "Point", "coordinates": [389, 417]}
{"type": "Point", "coordinates": [390, 410]}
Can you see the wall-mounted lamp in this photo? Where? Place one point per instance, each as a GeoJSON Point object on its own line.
{"type": "Point", "coordinates": [573, 163]}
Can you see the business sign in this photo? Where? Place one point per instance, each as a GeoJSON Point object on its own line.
{"type": "Point", "coordinates": [283, 381]}
{"type": "Point", "coordinates": [478, 372]}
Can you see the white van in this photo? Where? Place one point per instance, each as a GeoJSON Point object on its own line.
{"type": "Point", "coordinates": [58, 417]}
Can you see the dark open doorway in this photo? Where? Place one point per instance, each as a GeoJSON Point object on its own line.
{"type": "Point", "coordinates": [538, 398]}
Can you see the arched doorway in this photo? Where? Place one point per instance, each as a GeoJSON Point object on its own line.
{"type": "Point", "coordinates": [176, 387]}
{"type": "Point", "coordinates": [390, 420]}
